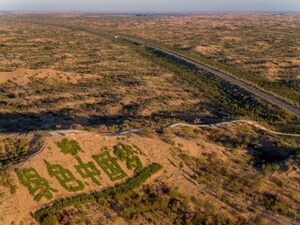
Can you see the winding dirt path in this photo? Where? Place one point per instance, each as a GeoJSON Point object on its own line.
{"type": "Point", "coordinates": [252, 123]}
{"type": "Point", "coordinates": [135, 131]}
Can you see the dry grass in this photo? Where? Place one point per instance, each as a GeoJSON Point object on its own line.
{"type": "Point", "coordinates": [58, 82]}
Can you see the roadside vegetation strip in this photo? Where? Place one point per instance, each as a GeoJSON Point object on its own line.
{"type": "Point", "coordinates": [268, 96]}
{"type": "Point", "coordinates": [248, 77]}
{"type": "Point", "coordinates": [230, 99]}
{"type": "Point", "coordinates": [244, 84]}
{"type": "Point", "coordinates": [98, 196]}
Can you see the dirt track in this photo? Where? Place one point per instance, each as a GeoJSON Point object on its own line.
{"type": "Point", "coordinates": [135, 131]}
{"type": "Point", "coordinates": [252, 123]}
{"type": "Point", "coordinates": [249, 122]}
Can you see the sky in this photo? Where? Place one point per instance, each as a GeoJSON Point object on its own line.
{"type": "Point", "coordinates": [150, 5]}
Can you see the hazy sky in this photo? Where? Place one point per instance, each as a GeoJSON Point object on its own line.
{"type": "Point", "coordinates": [151, 5]}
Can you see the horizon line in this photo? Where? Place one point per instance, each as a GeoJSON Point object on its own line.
{"type": "Point", "coordinates": [147, 12]}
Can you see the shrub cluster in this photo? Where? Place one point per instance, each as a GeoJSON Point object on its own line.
{"type": "Point", "coordinates": [12, 151]}
{"type": "Point", "coordinates": [7, 181]}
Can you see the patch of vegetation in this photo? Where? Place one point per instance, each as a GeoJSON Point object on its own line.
{"type": "Point", "coordinates": [88, 170]}
{"type": "Point", "coordinates": [156, 203]}
{"type": "Point", "coordinates": [65, 177]}
{"type": "Point", "coordinates": [50, 220]}
{"type": "Point", "coordinates": [13, 151]}
{"type": "Point", "coordinates": [127, 153]}
{"type": "Point", "coordinates": [6, 181]}
{"type": "Point", "coordinates": [69, 146]}
{"type": "Point", "coordinates": [233, 185]}
{"type": "Point", "coordinates": [274, 203]}
{"type": "Point", "coordinates": [109, 165]}
{"type": "Point", "coordinates": [274, 155]}
{"type": "Point", "coordinates": [14, 223]}
{"type": "Point", "coordinates": [38, 186]}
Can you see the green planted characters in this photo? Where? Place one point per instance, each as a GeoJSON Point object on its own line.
{"type": "Point", "coordinates": [64, 177]}
{"type": "Point", "coordinates": [38, 186]}
{"type": "Point", "coordinates": [126, 153]}
{"type": "Point", "coordinates": [109, 193]}
{"type": "Point", "coordinates": [88, 170]}
{"type": "Point", "coordinates": [6, 181]}
{"type": "Point", "coordinates": [109, 165]}
{"type": "Point", "coordinates": [69, 146]}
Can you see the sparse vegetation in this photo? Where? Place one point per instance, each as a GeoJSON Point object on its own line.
{"type": "Point", "coordinates": [227, 174]}
{"type": "Point", "coordinates": [263, 53]}
{"type": "Point", "coordinates": [6, 181]}
{"type": "Point", "coordinates": [12, 151]}
{"type": "Point", "coordinates": [50, 220]}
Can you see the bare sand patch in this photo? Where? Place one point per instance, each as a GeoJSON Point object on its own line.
{"type": "Point", "coordinates": [206, 50]}
{"type": "Point", "coordinates": [24, 76]}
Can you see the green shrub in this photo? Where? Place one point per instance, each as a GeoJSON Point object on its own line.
{"type": "Point", "coordinates": [7, 181]}
{"type": "Point", "coordinates": [50, 220]}
{"type": "Point", "coordinates": [13, 151]}
{"type": "Point", "coordinates": [181, 164]}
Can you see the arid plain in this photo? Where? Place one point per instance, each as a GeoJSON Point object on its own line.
{"type": "Point", "coordinates": [89, 120]}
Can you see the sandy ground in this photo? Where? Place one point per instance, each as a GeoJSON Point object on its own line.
{"type": "Point", "coordinates": [24, 76]}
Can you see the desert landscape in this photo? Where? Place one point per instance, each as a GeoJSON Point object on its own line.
{"type": "Point", "coordinates": [109, 119]}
